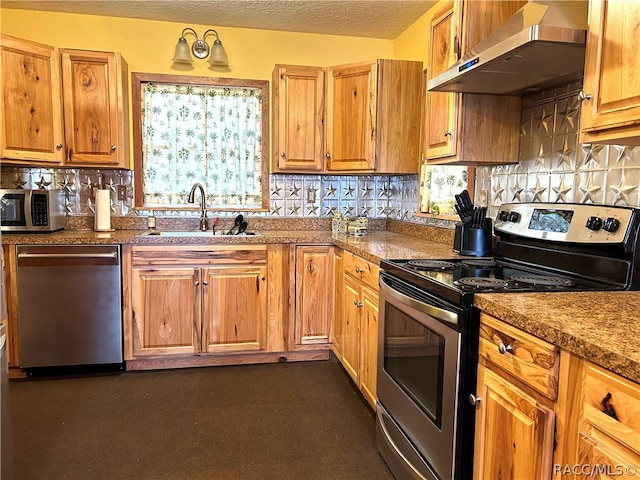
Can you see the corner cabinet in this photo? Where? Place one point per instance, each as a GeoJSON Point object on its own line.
{"type": "Point", "coordinates": [356, 323]}
{"type": "Point", "coordinates": [198, 300]}
{"type": "Point", "coordinates": [611, 92]}
{"type": "Point", "coordinates": [63, 107]}
{"type": "Point", "coordinates": [461, 127]}
{"type": "Point", "coordinates": [365, 117]}
{"type": "Point", "coordinates": [314, 292]}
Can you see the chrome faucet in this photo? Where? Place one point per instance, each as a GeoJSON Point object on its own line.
{"type": "Point", "coordinates": [203, 199]}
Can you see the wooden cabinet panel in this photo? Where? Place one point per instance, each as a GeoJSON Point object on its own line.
{"type": "Point", "coordinates": [31, 115]}
{"type": "Point", "coordinates": [351, 328]}
{"type": "Point", "coordinates": [166, 311]}
{"type": "Point", "coordinates": [95, 108]}
{"type": "Point", "coordinates": [361, 269]}
{"type": "Point", "coordinates": [298, 117]}
{"type": "Point", "coordinates": [234, 308]}
{"type": "Point", "coordinates": [314, 295]}
{"type": "Point", "coordinates": [612, 405]}
{"type": "Point", "coordinates": [611, 78]}
{"type": "Point", "coordinates": [351, 117]}
{"type": "Point", "coordinates": [456, 126]}
{"type": "Point", "coordinates": [514, 433]}
{"type": "Point", "coordinates": [603, 459]}
{"type": "Point", "coordinates": [529, 359]}
{"type": "Point", "coordinates": [337, 330]}
{"type": "Point", "coordinates": [369, 345]}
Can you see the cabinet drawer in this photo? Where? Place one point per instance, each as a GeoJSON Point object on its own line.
{"type": "Point", "coordinates": [606, 391]}
{"type": "Point", "coordinates": [606, 459]}
{"type": "Point", "coordinates": [362, 269]}
{"type": "Point", "coordinates": [529, 359]}
{"type": "Point", "coordinates": [200, 254]}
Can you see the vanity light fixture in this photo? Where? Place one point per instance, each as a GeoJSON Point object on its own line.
{"type": "Point", "coordinates": [200, 49]}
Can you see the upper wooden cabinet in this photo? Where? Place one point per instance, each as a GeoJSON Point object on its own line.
{"type": "Point", "coordinates": [94, 86]}
{"type": "Point", "coordinates": [298, 116]}
{"type": "Point", "coordinates": [63, 107]}
{"type": "Point", "coordinates": [31, 116]}
{"type": "Point", "coordinates": [364, 118]}
{"type": "Point", "coordinates": [461, 127]}
{"type": "Point", "coordinates": [611, 109]}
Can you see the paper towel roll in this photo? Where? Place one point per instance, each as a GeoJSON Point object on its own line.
{"type": "Point", "coordinates": [103, 210]}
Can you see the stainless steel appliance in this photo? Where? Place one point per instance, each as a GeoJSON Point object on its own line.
{"type": "Point", "coordinates": [32, 210]}
{"type": "Point", "coordinates": [69, 305]}
{"type": "Point", "coordinates": [427, 357]}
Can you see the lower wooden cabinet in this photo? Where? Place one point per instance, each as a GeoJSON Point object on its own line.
{"type": "Point", "coordinates": [314, 291]}
{"type": "Point", "coordinates": [356, 322]}
{"type": "Point", "coordinates": [198, 300]}
{"type": "Point", "coordinates": [515, 403]}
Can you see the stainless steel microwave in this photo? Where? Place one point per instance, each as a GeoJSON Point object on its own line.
{"type": "Point", "coordinates": [32, 210]}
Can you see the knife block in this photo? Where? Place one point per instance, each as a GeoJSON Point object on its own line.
{"type": "Point", "coordinates": [477, 242]}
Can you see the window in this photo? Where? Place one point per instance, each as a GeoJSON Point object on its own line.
{"type": "Point", "coordinates": [199, 129]}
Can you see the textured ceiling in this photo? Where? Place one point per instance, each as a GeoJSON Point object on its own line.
{"type": "Point", "coordinates": [360, 18]}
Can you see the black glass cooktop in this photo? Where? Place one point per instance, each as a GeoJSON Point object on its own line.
{"type": "Point", "coordinates": [460, 278]}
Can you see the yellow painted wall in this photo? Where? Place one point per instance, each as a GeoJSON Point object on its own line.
{"type": "Point", "coordinates": [148, 46]}
{"type": "Point", "coordinates": [413, 43]}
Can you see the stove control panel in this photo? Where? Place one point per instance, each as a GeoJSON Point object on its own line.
{"type": "Point", "coordinates": [575, 223]}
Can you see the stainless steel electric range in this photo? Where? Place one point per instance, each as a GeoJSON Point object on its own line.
{"type": "Point", "coordinates": [428, 336]}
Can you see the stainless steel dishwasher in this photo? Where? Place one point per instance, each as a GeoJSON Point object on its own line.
{"type": "Point", "coordinates": [69, 305]}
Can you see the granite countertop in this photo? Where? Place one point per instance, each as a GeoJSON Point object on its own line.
{"type": "Point", "coordinates": [601, 327]}
{"type": "Point", "coordinates": [374, 246]}
{"type": "Point", "coordinates": [598, 326]}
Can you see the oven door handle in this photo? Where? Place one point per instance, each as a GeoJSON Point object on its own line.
{"type": "Point", "coordinates": [435, 312]}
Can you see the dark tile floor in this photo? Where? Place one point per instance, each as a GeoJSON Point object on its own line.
{"type": "Point", "coordinates": [279, 421]}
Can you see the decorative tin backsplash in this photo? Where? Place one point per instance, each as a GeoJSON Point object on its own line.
{"type": "Point", "coordinates": [310, 196]}
{"type": "Point", "coordinates": [554, 167]}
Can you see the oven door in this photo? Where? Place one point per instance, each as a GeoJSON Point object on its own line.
{"type": "Point", "coordinates": [418, 371]}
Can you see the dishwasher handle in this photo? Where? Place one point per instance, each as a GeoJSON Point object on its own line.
{"type": "Point", "coordinates": [54, 256]}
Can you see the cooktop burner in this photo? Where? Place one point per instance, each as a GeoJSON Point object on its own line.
{"type": "Point", "coordinates": [481, 282]}
{"type": "Point", "coordinates": [479, 263]}
{"type": "Point", "coordinates": [542, 280]}
{"type": "Point", "coordinates": [431, 264]}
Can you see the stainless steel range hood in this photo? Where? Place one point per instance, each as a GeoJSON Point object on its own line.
{"type": "Point", "coordinates": [539, 46]}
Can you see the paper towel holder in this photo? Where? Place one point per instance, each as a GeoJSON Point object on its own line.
{"type": "Point", "coordinates": [102, 213]}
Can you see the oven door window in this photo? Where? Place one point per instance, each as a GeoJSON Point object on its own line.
{"type": "Point", "coordinates": [414, 357]}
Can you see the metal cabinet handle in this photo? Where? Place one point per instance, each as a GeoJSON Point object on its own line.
{"type": "Point", "coordinates": [358, 303]}
{"type": "Point", "coordinates": [502, 348]}
{"type": "Point", "coordinates": [205, 283]}
{"type": "Point", "coordinates": [197, 283]}
{"type": "Point", "coordinates": [359, 270]}
{"type": "Point", "coordinates": [447, 133]}
{"type": "Point", "coordinates": [113, 148]}
{"type": "Point", "coordinates": [282, 154]}
{"type": "Point", "coordinates": [328, 155]}
{"type": "Point", "coordinates": [582, 96]}
{"type": "Point", "coordinates": [59, 146]}
{"type": "Point", "coordinates": [473, 400]}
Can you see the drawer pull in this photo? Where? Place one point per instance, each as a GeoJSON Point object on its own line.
{"type": "Point", "coordinates": [359, 270]}
{"type": "Point", "coordinates": [607, 408]}
{"type": "Point", "coordinates": [473, 400]}
{"type": "Point", "coordinates": [502, 348]}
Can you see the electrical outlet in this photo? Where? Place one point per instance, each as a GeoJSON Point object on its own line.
{"type": "Point", "coordinates": [311, 195]}
{"type": "Point", "coordinates": [122, 193]}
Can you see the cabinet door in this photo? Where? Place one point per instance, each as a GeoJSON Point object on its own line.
{"type": "Point", "coordinates": [234, 308]}
{"type": "Point", "coordinates": [514, 433]}
{"type": "Point", "coordinates": [351, 117]}
{"type": "Point", "coordinates": [351, 327]}
{"type": "Point", "coordinates": [31, 113]}
{"type": "Point", "coordinates": [314, 295]}
{"type": "Point", "coordinates": [369, 344]}
{"type": "Point", "coordinates": [95, 114]}
{"type": "Point", "coordinates": [337, 324]}
{"type": "Point", "coordinates": [298, 117]}
{"type": "Point", "coordinates": [481, 17]}
{"type": "Point", "coordinates": [441, 108]}
{"type": "Point", "coordinates": [611, 73]}
{"type": "Point", "coordinates": [166, 311]}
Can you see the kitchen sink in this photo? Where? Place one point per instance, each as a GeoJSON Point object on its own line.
{"type": "Point", "coordinates": [196, 233]}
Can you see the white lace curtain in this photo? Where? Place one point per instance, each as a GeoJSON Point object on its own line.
{"type": "Point", "coordinates": [205, 134]}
